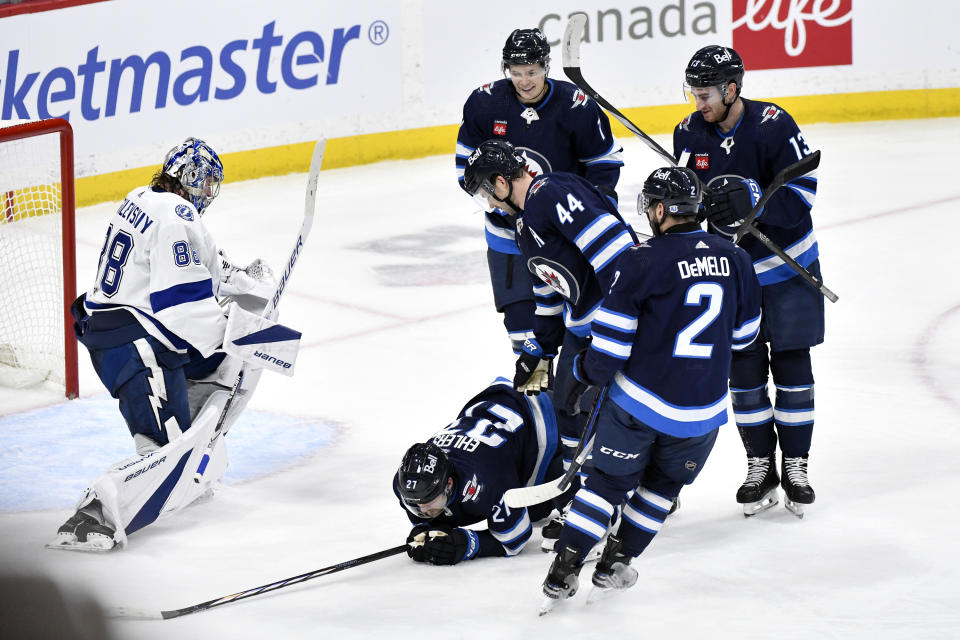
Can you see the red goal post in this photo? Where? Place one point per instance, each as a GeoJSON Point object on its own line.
{"type": "Point", "coordinates": [37, 255]}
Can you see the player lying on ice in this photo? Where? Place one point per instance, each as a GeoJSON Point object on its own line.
{"type": "Point", "coordinates": [501, 440]}
{"type": "Point", "coordinates": [153, 323]}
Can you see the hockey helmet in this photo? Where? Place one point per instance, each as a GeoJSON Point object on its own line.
{"type": "Point", "coordinates": [526, 46]}
{"type": "Point", "coordinates": [492, 158]}
{"type": "Point", "coordinates": [714, 65]}
{"type": "Point", "coordinates": [198, 169]}
{"type": "Point", "coordinates": [676, 187]}
{"type": "Point", "coordinates": [423, 476]}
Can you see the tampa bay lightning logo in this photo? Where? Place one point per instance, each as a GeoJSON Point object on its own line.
{"type": "Point", "coordinates": [184, 212]}
{"type": "Point", "coordinates": [537, 163]}
{"type": "Point", "coordinates": [556, 276]}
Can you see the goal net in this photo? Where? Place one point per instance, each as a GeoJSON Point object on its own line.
{"type": "Point", "coordinates": [37, 270]}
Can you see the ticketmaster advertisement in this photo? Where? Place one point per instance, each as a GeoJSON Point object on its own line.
{"type": "Point", "coordinates": [254, 75]}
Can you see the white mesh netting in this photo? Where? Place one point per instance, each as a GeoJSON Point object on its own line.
{"type": "Point", "coordinates": [31, 267]}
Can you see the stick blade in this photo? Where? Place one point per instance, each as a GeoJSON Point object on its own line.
{"type": "Point", "coordinates": [572, 37]}
{"type": "Point", "coordinates": [132, 613]}
{"type": "Point", "coordinates": [527, 496]}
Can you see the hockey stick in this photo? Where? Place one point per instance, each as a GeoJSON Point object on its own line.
{"type": "Point", "coordinates": [526, 496]}
{"type": "Point", "coordinates": [571, 66]}
{"type": "Point", "coordinates": [802, 167]}
{"type": "Point", "coordinates": [310, 202]}
{"type": "Point", "coordinates": [799, 168]}
{"type": "Point", "coordinates": [143, 614]}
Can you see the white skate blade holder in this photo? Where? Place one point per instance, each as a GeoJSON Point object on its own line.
{"type": "Point", "coordinates": [764, 503]}
{"type": "Point", "coordinates": [547, 604]}
{"type": "Point", "coordinates": [793, 507]}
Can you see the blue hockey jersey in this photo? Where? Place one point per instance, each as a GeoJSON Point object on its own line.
{"type": "Point", "coordinates": [677, 306]}
{"type": "Point", "coordinates": [565, 131]}
{"type": "Point", "coordinates": [763, 142]}
{"type": "Point", "coordinates": [570, 236]}
{"type": "Point", "coordinates": [500, 440]}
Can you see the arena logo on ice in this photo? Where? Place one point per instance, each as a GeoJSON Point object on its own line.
{"type": "Point", "coordinates": [778, 34]}
{"type": "Point", "coordinates": [105, 81]}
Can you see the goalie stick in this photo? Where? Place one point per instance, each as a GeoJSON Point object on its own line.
{"type": "Point", "coordinates": [527, 496]}
{"type": "Point", "coordinates": [310, 202]}
{"type": "Point", "coordinates": [144, 614]}
{"type": "Point", "coordinates": [571, 66]}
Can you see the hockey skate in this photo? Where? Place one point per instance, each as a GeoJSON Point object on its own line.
{"type": "Point", "coordinates": [562, 580]}
{"type": "Point", "coordinates": [759, 491]}
{"type": "Point", "coordinates": [796, 487]}
{"type": "Point", "coordinates": [551, 534]}
{"type": "Point", "coordinates": [613, 571]}
{"type": "Point", "coordinates": [85, 531]}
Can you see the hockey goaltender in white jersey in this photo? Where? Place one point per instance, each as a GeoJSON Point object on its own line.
{"type": "Point", "coordinates": [163, 303]}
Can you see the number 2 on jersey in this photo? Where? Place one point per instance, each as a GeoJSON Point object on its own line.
{"type": "Point", "coordinates": [685, 347]}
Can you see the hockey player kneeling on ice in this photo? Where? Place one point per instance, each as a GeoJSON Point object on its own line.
{"type": "Point", "coordinates": [681, 303]}
{"type": "Point", "coordinates": [153, 323]}
{"type": "Point", "coordinates": [501, 440]}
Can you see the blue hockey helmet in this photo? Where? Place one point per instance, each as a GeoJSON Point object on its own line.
{"type": "Point", "coordinates": [676, 187]}
{"type": "Point", "coordinates": [526, 46]}
{"type": "Point", "coordinates": [714, 65]}
{"type": "Point", "coordinates": [423, 477]}
{"type": "Point", "coordinates": [198, 169]}
{"type": "Point", "coordinates": [492, 158]}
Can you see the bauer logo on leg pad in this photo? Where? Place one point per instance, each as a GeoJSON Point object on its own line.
{"type": "Point", "coordinates": [260, 342]}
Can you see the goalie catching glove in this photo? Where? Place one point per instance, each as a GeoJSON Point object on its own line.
{"type": "Point", "coordinates": [255, 279]}
{"type": "Point", "coordinates": [534, 370]}
{"type": "Point", "coordinates": [728, 200]}
{"type": "Point", "coordinates": [441, 544]}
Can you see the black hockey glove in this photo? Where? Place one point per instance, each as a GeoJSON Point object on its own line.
{"type": "Point", "coordinates": [534, 370]}
{"type": "Point", "coordinates": [728, 202]}
{"type": "Point", "coordinates": [440, 544]}
{"type": "Point", "coordinates": [578, 386]}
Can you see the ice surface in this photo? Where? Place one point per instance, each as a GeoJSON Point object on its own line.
{"type": "Point", "coordinates": [399, 331]}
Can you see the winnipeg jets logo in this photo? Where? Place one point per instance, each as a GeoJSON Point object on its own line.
{"type": "Point", "coordinates": [530, 114]}
{"type": "Point", "coordinates": [485, 89]}
{"type": "Point", "coordinates": [685, 123]}
{"type": "Point", "coordinates": [580, 99]}
{"type": "Point", "coordinates": [770, 112]}
{"type": "Point", "coordinates": [471, 491]}
{"type": "Point", "coordinates": [727, 144]}
{"type": "Point", "coordinates": [555, 276]}
{"type": "Point", "coordinates": [536, 163]}
{"type": "Point", "coordinates": [536, 186]}
{"type": "Point", "coordinates": [551, 278]}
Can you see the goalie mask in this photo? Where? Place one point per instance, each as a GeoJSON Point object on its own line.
{"type": "Point", "coordinates": [423, 480]}
{"type": "Point", "coordinates": [198, 169]}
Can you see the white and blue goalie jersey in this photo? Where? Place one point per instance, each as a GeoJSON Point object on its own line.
{"type": "Point", "coordinates": [501, 440]}
{"type": "Point", "coordinates": [663, 338]}
{"type": "Point", "coordinates": [159, 263]}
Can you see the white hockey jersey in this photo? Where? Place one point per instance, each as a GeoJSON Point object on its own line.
{"type": "Point", "coordinates": [159, 262]}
